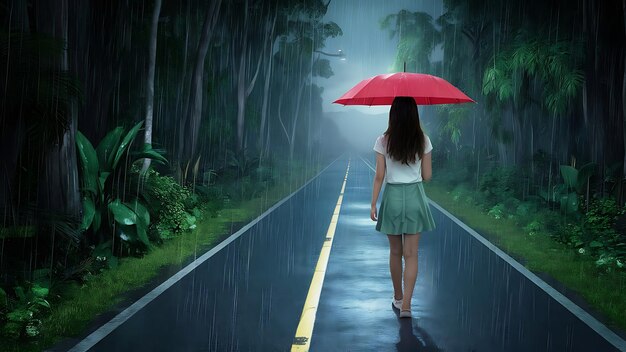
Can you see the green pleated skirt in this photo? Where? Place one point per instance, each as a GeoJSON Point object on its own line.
{"type": "Point", "coordinates": [404, 208]}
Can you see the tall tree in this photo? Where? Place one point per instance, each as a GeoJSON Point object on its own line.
{"type": "Point", "coordinates": [190, 124]}
{"type": "Point", "coordinates": [150, 79]}
{"type": "Point", "coordinates": [58, 185]}
{"type": "Point", "coordinates": [245, 85]}
{"type": "Point", "coordinates": [417, 38]}
{"type": "Point", "coordinates": [269, 57]}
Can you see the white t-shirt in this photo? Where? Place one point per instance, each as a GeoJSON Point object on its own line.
{"type": "Point", "coordinates": [396, 171]}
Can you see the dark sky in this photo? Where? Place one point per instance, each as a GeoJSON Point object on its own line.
{"type": "Point", "coordinates": [368, 49]}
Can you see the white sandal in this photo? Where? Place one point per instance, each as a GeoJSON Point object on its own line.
{"type": "Point", "coordinates": [405, 314]}
{"type": "Point", "coordinates": [397, 303]}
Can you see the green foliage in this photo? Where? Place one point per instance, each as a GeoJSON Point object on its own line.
{"type": "Point", "coordinates": [103, 258]}
{"type": "Point", "coordinates": [170, 203]}
{"type": "Point", "coordinates": [458, 193]}
{"type": "Point", "coordinates": [594, 234]}
{"type": "Point", "coordinates": [499, 184]}
{"type": "Point", "coordinates": [601, 217]}
{"type": "Point", "coordinates": [497, 211]}
{"type": "Point", "coordinates": [417, 37]}
{"type": "Point", "coordinates": [244, 177]}
{"type": "Point", "coordinates": [534, 227]}
{"type": "Point", "coordinates": [453, 116]}
{"type": "Point", "coordinates": [211, 200]}
{"type": "Point", "coordinates": [101, 200]}
{"type": "Point", "coordinates": [533, 57]}
{"type": "Point", "coordinates": [565, 194]}
{"type": "Point", "coordinates": [608, 262]}
{"type": "Point", "coordinates": [577, 179]}
{"type": "Point", "coordinates": [22, 313]}
{"type": "Point", "coordinates": [19, 231]}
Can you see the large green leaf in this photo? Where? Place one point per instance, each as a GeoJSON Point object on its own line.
{"type": "Point", "coordinates": [127, 233]}
{"type": "Point", "coordinates": [134, 233]}
{"type": "Point", "coordinates": [128, 139]}
{"type": "Point", "coordinates": [39, 291]}
{"type": "Point", "coordinates": [122, 214]}
{"type": "Point", "coordinates": [126, 217]}
{"type": "Point", "coordinates": [97, 220]}
{"type": "Point", "coordinates": [107, 148]}
{"type": "Point", "coordinates": [149, 153]}
{"type": "Point", "coordinates": [88, 162]}
{"type": "Point", "coordinates": [142, 213]}
{"type": "Point", "coordinates": [142, 233]}
{"type": "Point", "coordinates": [570, 175]}
{"type": "Point", "coordinates": [89, 210]}
{"type": "Point", "coordinates": [583, 175]}
{"type": "Point", "coordinates": [558, 191]}
{"type": "Point", "coordinates": [102, 179]}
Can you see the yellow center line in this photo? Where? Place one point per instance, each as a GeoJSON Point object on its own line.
{"type": "Point", "coordinates": [302, 341]}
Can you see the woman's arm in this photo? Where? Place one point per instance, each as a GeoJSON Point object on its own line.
{"type": "Point", "coordinates": [378, 183]}
{"type": "Point", "coordinates": [427, 167]}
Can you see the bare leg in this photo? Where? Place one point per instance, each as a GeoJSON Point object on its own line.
{"type": "Point", "coordinates": [409, 251]}
{"type": "Point", "coordinates": [395, 264]}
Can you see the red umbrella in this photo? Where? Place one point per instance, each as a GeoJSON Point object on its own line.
{"type": "Point", "coordinates": [382, 89]}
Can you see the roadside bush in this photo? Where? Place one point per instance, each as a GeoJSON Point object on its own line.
{"type": "Point", "coordinates": [602, 239]}
{"type": "Point", "coordinates": [21, 313]}
{"type": "Point", "coordinates": [534, 227]}
{"type": "Point", "coordinates": [498, 211]}
{"type": "Point", "coordinates": [459, 193]}
{"type": "Point", "coordinates": [107, 208]}
{"type": "Point", "coordinates": [525, 209]}
{"type": "Point", "coordinates": [169, 202]}
{"type": "Point", "coordinates": [211, 199]}
{"type": "Point", "coordinates": [498, 185]}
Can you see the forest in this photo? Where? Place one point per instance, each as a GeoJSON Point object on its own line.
{"type": "Point", "coordinates": [129, 127]}
{"type": "Point", "coordinates": [548, 127]}
{"type": "Point", "coordinates": [124, 123]}
{"type": "Point", "coordinates": [542, 153]}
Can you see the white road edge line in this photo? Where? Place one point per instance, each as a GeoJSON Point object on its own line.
{"type": "Point", "coordinates": [96, 336]}
{"type": "Point", "coordinates": [580, 313]}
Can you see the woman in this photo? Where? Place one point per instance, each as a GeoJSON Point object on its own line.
{"type": "Point", "coordinates": [403, 155]}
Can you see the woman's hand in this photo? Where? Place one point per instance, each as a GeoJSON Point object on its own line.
{"type": "Point", "coordinates": [373, 214]}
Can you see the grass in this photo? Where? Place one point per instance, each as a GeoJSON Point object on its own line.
{"type": "Point", "coordinates": [72, 313]}
{"type": "Point", "coordinates": [604, 292]}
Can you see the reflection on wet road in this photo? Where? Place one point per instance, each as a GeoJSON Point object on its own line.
{"type": "Point", "coordinates": [249, 295]}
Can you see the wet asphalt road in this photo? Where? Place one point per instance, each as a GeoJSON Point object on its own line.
{"type": "Point", "coordinates": [466, 298]}
{"type": "Point", "coordinates": [249, 296]}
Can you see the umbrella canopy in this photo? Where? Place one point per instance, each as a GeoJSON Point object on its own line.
{"type": "Point", "coordinates": [382, 89]}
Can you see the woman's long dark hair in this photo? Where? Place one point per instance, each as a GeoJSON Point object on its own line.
{"type": "Point", "coordinates": [405, 137]}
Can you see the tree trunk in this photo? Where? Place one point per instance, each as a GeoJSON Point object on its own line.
{"type": "Point", "coordinates": [241, 91]}
{"type": "Point", "coordinates": [58, 183]}
{"type": "Point", "coordinates": [188, 136]}
{"type": "Point", "coordinates": [150, 79]}
{"type": "Point", "coordinates": [11, 129]}
{"type": "Point", "coordinates": [243, 88]}
{"type": "Point", "coordinates": [266, 90]}
{"type": "Point", "coordinates": [624, 94]}
{"type": "Point", "coordinates": [295, 120]}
